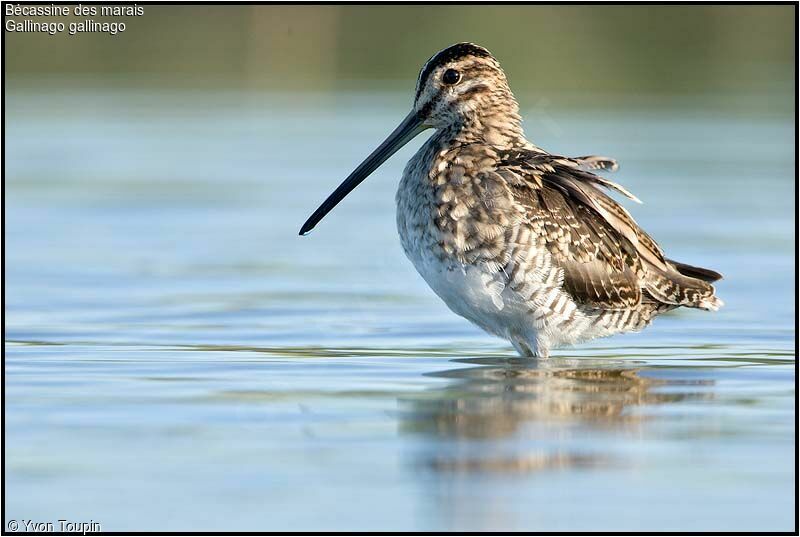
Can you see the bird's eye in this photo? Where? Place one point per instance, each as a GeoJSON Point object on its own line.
{"type": "Point", "coordinates": [451, 76]}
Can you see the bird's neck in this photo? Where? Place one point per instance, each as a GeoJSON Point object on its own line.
{"type": "Point", "coordinates": [496, 122]}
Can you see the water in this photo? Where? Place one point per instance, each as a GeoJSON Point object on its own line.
{"type": "Point", "coordinates": [178, 359]}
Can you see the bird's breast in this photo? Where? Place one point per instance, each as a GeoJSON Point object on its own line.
{"type": "Point", "coordinates": [416, 209]}
{"type": "Point", "coordinates": [443, 231]}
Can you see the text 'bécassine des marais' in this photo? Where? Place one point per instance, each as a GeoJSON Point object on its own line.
{"type": "Point", "coordinates": [72, 28]}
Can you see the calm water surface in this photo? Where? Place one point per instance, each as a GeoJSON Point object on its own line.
{"type": "Point", "coordinates": [177, 358]}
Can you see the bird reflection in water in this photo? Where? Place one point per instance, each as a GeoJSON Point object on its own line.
{"type": "Point", "coordinates": [537, 416]}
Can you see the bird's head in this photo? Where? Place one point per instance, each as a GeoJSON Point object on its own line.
{"type": "Point", "coordinates": [461, 88]}
{"type": "Point", "coordinates": [461, 85]}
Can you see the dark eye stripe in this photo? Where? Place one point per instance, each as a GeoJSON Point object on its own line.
{"type": "Point", "coordinates": [475, 70]}
{"type": "Point", "coordinates": [474, 90]}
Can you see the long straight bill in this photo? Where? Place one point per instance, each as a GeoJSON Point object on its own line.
{"type": "Point", "coordinates": [408, 129]}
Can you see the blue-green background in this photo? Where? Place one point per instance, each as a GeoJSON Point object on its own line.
{"type": "Point", "coordinates": [176, 358]}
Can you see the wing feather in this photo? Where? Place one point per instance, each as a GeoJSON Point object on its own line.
{"type": "Point", "coordinates": [608, 261]}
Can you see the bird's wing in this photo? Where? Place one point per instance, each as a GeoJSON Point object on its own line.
{"type": "Point", "coordinates": [593, 163]}
{"type": "Point", "coordinates": [607, 259]}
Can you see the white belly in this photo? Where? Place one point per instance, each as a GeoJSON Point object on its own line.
{"type": "Point", "coordinates": [475, 294]}
{"type": "Point", "coordinates": [467, 290]}
{"type": "Point", "coordinates": [485, 299]}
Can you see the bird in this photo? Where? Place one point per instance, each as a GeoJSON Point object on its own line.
{"type": "Point", "coordinates": [526, 244]}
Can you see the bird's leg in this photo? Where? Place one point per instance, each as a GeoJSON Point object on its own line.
{"type": "Point", "coordinates": [521, 345]}
{"type": "Point", "coordinates": [539, 349]}
{"type": "Point", "coordinates": [522, 349]}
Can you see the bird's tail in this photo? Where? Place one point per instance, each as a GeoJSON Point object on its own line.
{"type": "Point", "coordinates": [685, 285]}
{"type": "Point", "coordinates": [707, 275]}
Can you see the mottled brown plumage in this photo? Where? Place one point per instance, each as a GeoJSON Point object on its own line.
{"type": "Point", "coordinates": [526, 244]}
